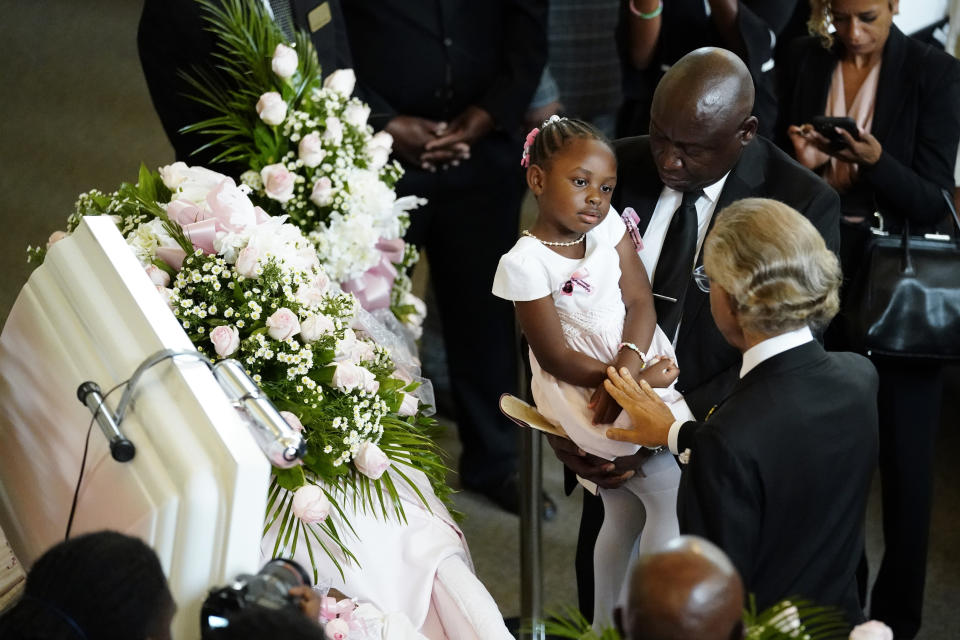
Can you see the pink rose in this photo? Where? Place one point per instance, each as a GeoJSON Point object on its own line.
{"type": "Point", "coordinates": [284, 62]}
{"type": "Point", "coordinates": [292, 420]}
{"type": "Point", "coordinates": [313, 294]}
{"type": "Point", "coordinates": [283, 324]}
{"type": "Point", "coordinates": [277, 182]}
{"type": "Point", "coordinates": [56, 237]}
{"type": "Point", "coordinates": [349, 376]}
{"type": "Point", "coordinates": [334, 132]}
{"type": "Point", "coordinates": [409, 405]}
{"type": "Point", "coordinates": [225, 339]}
{"type": "Point", "coordinates": [342, 81]}
{"type": "Point", "coordinates": [336, 629]}
{"type": "Point", "coordinates": [371, 461]}
{"type": "Point", "coordinates": [356, 114]}
{"type": "Point", "coordinates": [157, 275]}
{"type": "Point", "coordinates": [871, 630]}
{"type": "Point", "coordinates": [271, 108]}
{"type": "Point", "coordinates": [310, 504]}
{"type": "Point", "coordinates": [311, 150]}
{"type": "Point", "coordinates": [322, 194]}
{"type": "Point", "coordinates": [248, 262]}
{"type": "Point", "coordinates": [315, 327]}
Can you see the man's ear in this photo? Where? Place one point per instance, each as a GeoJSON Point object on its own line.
{"type": "Point", "coordinates": [536, 178]}
{"type": "Point", "coordinates": [748, 129]}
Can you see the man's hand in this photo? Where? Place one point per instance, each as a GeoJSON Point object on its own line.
{"type": "Point", "coordinates": [468, 127]}
{"type": "Point", "coordinates": [651, 418]}
{"type": "Point", "coordinates": [608, 474]}
{"type": "Point", "coordinates": [411, 135]}
{"type": "Point", "coordinates": [308, 600]}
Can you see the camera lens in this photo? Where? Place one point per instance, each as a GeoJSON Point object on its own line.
{"type": "Point", "coordinates": [271, 585]}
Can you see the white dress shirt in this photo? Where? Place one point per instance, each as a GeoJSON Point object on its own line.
{"type": "Point", "coordinates": [667, 205]}
{"type": "Point", "coordinates": [751, 358]}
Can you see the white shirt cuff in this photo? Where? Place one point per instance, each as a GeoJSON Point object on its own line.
{"type": "Point", "coordinates": [672, 436]}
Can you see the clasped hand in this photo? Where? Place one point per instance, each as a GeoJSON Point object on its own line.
{"type": "Point", "coordinates": [650, 416]}
{"type": "Point", "coordinates": [430, 144]}
{"type": "Point", "coordinates": [866, 151]}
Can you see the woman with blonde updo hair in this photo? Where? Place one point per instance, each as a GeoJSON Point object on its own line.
{"type": "Point", "coordinates": [903, 98]}
{"type": "Point", "coordinates": [779, 473]}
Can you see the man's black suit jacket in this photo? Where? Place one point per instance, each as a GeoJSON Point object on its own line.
{"type": "Point", "coordinates": [779, 476]}
{"type": "Point", "coordinates": [916, 118]}
{"type": "Point", "coordinates": [708, 365]}
{"type": "Point", "coordinates": [171, 38]}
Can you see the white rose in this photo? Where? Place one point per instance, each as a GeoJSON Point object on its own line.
{"type": "Point", "coordinates": [371, 461]}
{"type": "Point", "coordinates": [157, 275]}
{"type": "Point", "coordinates": [409, 405]}
{"type": "Point", "coordinates": [271, 108]}
{"type": "Point", "coordinates": [379, 147]}
{"type": "Point", "coordinates": [190, 183]}
{"type": "Point", "coordinates": [173, 175]}
{"type": "Point", "coordinates": [315, 327]}
{"type": "Point", "coordinates": [310, 504]}
{"type": "Point", "coordinates": [871, 630]}
{"type": "Point", "coordinates": [283, 324]}
{"type": "Point", "coordinates": [292, 420]}
{"type": "Point", "coordinates": [284, 62]}
{"type": "Point", "coordinates": [277, 182]}
{"type": "Point", "coordinates": [356, 114]}
{"type": "Point", "coordinates": [322, 194]}
{"type": "Point", "coordinates": [311, 151]}
{"type": "Point", "coordinates": [342, 81]}
{"type": "Point", "coordinates": [334, 131]}
{"type": "Point", "coordinates": [225, 339]}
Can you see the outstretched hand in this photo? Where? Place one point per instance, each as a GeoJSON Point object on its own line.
{"type": "Point", "coordinates": [651, 418]}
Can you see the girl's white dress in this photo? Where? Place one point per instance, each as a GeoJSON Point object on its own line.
{"type": "Point", "coordinates": [587, 296]}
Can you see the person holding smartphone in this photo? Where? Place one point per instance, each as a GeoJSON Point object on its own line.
{"type": "Point", "coordinates": [902, 95]}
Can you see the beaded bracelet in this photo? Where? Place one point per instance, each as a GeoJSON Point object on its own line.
{"type": "Point", "coordinates": [645, 16]}
{"type": "Point", "coordinates": [633, 347]}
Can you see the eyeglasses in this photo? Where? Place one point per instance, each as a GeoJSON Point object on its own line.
{"type": "Point", "coordinates": [701, 278]}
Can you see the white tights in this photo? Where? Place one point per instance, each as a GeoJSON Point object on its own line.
{"type": "Point", "coordinates": [639, 517]}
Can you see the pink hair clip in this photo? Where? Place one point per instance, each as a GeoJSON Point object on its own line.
{"type": "Point", "coordinates": [525, 158]}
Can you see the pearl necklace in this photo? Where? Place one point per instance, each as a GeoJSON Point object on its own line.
{"type": "Point", "coordinates": [555, 244]}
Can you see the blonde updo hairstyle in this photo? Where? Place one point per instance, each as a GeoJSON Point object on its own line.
{"type": "Point", "coordinates": [775, 266]}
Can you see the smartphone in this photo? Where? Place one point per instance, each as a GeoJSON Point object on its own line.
{"type": "Point", "coordinates": [827, 127]}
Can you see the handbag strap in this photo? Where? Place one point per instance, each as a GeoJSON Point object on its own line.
{"type": "Point", "coordinates": [946, 196]}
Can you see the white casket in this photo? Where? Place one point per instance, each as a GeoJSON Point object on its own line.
{"type": "Point", "coordinates": [196, 489]}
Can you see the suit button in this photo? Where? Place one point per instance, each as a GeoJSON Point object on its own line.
{"type": "Point", "coordinates": [447, 42]}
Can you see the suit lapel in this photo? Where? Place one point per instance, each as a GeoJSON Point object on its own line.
{"type": "Point", "coordinates": [638, 183]}
{"type": "Point", "coordinates": [892, 85]}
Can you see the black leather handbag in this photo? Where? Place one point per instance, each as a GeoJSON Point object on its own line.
{"type": "Point", "coordinates": [905, 300]}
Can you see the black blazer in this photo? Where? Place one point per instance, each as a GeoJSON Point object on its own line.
{"type": "Point", "coordinates": [708, 365]}
{"type": "Point", "coordinates": [780, 474]}
{"type": "Point", "coordinates": [171, 38]}
{"type": "Point", "coordinates": [916, 119]}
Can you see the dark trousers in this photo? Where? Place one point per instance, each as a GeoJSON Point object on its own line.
{"type": "Point", "coordinates": [471, 220]}
{"type": "Point", "coordinates": [909, 403]}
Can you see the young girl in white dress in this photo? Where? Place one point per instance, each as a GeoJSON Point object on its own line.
{"type": "Point", "coordinates": [584, 303]}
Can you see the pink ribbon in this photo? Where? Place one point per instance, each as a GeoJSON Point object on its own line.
{"type": "Point", "coordinates": [374, 286]}
{"type": "Point", "coordinates": [173, 256]}
{"type": "Point", "coordinates": [632, 220]}
{"type": "Point", "coordinates": [202, 234]}
{"type": "Point", "coordinates": [330, 608]}
{"type": "Point", "coordinates": [576, 279]}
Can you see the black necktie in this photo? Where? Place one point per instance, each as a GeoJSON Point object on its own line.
{"type": "Point", "coordinates": [675, 265]}
{"type": "Point", "coordinates": [283, 16]}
